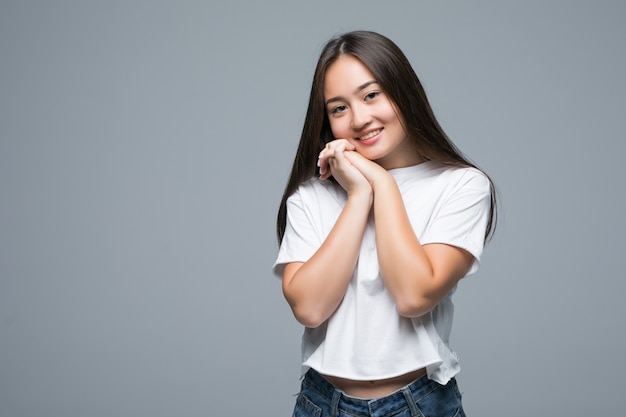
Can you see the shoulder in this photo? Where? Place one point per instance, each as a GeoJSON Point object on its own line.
{"type": "Point", "coordinates": [315, 190]}
{"type": "Point", "coordinates": [474, 178]}
{"type": "Point", "coordinates": [442, 177]}
{"type": "Point", "coordinates": [463, 177]}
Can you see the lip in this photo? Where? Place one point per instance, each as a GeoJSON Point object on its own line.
{"type": "Point", "coordinates": [371, 140]}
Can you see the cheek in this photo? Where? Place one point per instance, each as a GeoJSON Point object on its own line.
{"type": "Point", "coordinates": [393, 121]}
{"type": "Point", "coordinates": [340, 128]}
{"type": "Point", "coordinates": [334, 127]}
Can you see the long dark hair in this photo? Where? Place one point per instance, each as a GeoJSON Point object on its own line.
{"type": "Point", "coordinates": [396, 77]}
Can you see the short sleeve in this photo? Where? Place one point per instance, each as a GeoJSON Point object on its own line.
{"type": "Point", "coordinates": [462, 219]}
{"type": "Point", "coordinates": [301, 240]}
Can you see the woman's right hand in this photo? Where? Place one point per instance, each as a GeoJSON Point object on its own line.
{"type": "Point", "coordinates": [332, 161]}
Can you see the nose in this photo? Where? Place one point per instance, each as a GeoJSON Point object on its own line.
{"type": "Point", "coordinates": [360, 117]}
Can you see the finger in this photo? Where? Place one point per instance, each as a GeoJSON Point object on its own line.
{"type": "Point", "coordinates": [338, 145]}
{"type": "Point", "coordinates": [324, 168]}
{"type": "Point", "coordinates": [333, 149]}
{"type": "Point", "coordinates": [331, 165]}
{"type": "Point", "coordinates": [343, 145]}
{"type": "Point", "coordinates": [322, 163]}
{"type": "Point", "coordinates": [356, 160]}
{"type": "Point", "coordinates": [349, 146]}
{"type": "Point", "coordinates": [331, 168]}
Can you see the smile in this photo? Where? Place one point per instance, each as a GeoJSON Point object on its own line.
{"type": "Point", "coordinates": [371, 134]}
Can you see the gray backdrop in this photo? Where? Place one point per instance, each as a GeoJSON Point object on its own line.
{"type": "Point", "coordinates": [144, 147]}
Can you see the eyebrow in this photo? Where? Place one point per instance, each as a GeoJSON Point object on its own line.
{"type": "Point", "coordinates": [358, 89]}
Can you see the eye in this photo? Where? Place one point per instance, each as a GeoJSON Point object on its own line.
{"type": "Point", "coordinates": [337, 109]}
{"type": "Point", "coordinates": [372, 95]}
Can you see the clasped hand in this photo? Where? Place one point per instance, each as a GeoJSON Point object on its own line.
{"type": "Point", "coordinates": [352, 171]}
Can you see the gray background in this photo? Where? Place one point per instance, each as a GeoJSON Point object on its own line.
{"type": "Point", "coordinates": [144, 147]}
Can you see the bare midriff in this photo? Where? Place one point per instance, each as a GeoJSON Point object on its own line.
{"type": "Point", "coordinates": [374, 389]}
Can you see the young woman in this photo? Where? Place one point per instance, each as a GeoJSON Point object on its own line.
{"type": "Point", "coordinates": [381, 218]}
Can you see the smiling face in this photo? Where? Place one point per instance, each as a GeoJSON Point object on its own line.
{"type": "Point", "coordinates": [359, 111]}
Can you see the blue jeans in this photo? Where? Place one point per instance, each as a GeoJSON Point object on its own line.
{"type": "Point", "coordinates": [421, 398]}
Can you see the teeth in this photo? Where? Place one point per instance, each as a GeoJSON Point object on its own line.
{"type": "Point", "coordinates": [371, 134]}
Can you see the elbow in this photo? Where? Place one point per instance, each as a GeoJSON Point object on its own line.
{"type": "Point", "coordinates": [306, 310]}
{"type": "Point", "coordinates": [309, 317]}
{"type": "Point", "coordinates": [413, 307]}
{"type": "Point", "coordinates": [306, 313]}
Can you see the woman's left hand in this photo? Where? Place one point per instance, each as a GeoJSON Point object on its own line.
{"type": "Point", "coordinates": [370, 169]}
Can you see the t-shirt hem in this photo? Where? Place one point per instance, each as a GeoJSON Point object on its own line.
{"type": "Point", "coordinates": [431, 365]}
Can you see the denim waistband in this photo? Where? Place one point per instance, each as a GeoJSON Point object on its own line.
{"type": "Point", "coordinates": [418, 389]}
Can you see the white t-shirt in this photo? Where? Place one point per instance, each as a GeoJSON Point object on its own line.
{"type": "Point", "coordinates": [366, 338]}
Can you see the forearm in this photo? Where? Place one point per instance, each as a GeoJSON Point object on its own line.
{"type": "Point", "coordinates": [404, 265]}
{"type": "Point", "coordinates": [315, 288]}
{"type": "Point", "coordinates": [417, 276]}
